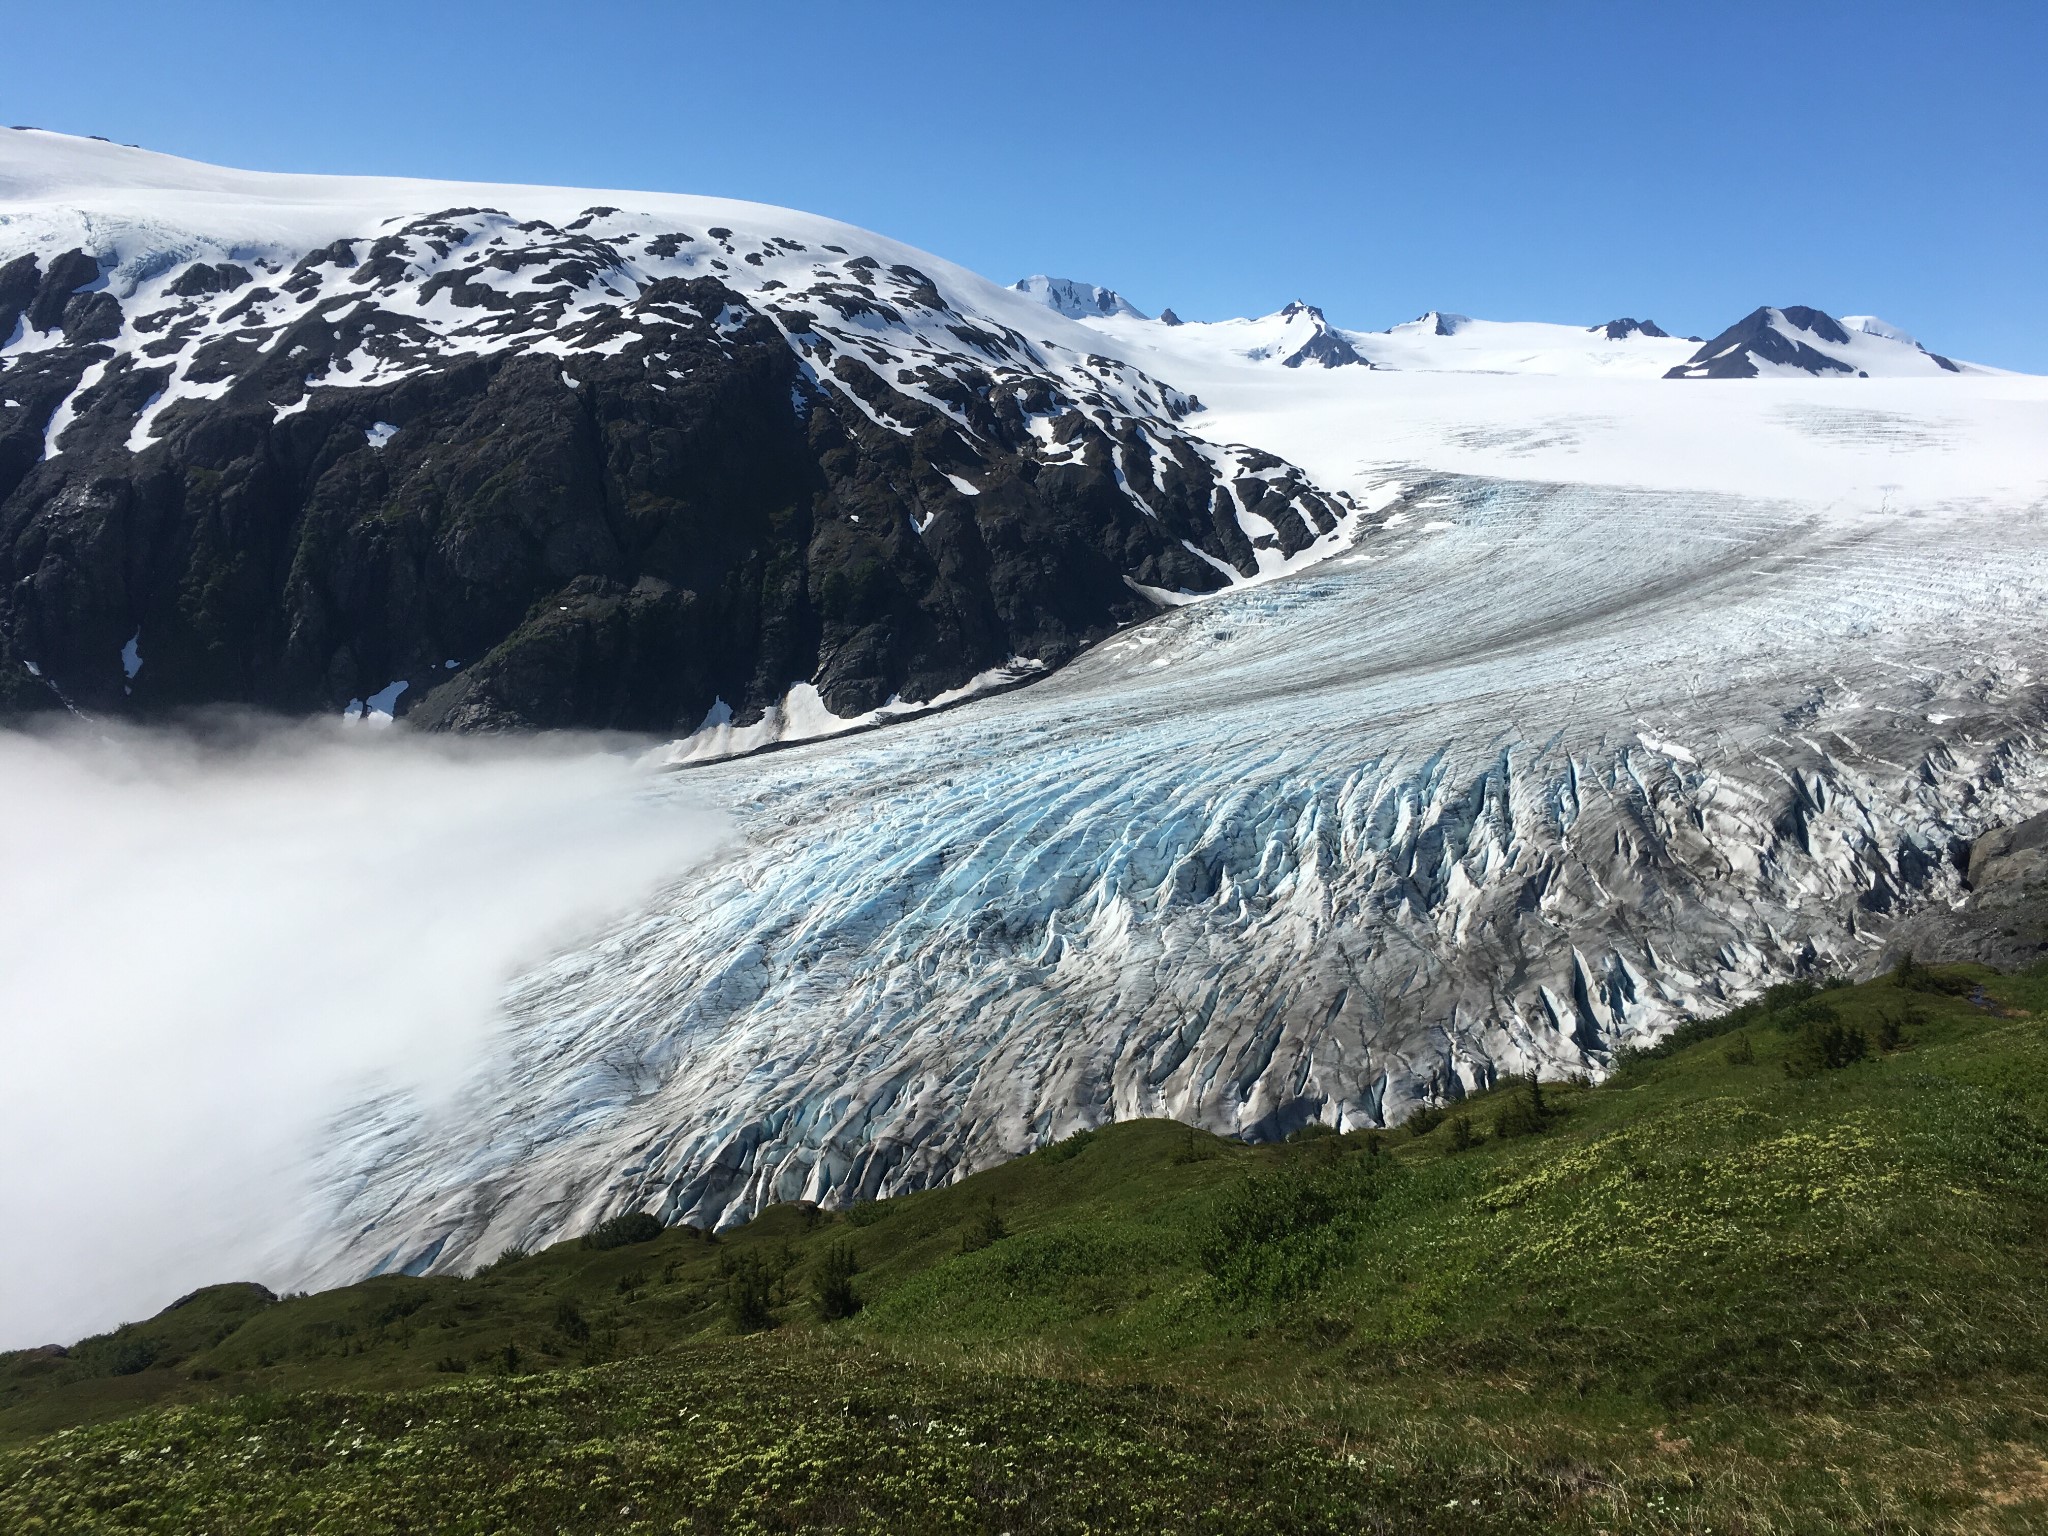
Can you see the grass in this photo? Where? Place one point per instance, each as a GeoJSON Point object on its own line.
{"type": "Point", "coordinates": [1736, 1288]}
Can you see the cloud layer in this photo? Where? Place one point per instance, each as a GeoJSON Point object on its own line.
{"type": "Point", "coordinates": [211, 945]}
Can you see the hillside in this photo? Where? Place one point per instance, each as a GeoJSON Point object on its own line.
{"type": "Point", "coordinates": [1779, 1274]}
{"type": "Point", "coordinates": [501, 456]}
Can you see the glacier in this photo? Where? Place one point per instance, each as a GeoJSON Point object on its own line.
{"type": "Point", "coordinates": [1534, 771]}
{"type": "Point", "coordinates": [1582, 701]}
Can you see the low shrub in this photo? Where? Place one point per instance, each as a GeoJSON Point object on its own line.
{"type": "Point", "coordinates": [984, 1230]}
{"type": "Point", "coordinates": [1911, 976]}
{"type": "Point", "coordinates": [1066, 1147]}
{"type": "Point", "coordinates": [1526, 1113]}
{"type": "Point", "coordinates": [626, 1228]}
{"type": "Point", "coordinates": [748, 1288]}
{"type": "Point", "coordinates": [1273, 1236]}
{"type": "Point", "coordinates": [832, 1292]}
{"type": "Point", "coordinates": [1423, 1121]}
{"type": "Point", "coordinates": [1789, 1005]}
{"type": "Point", "coordinates": [569, 1321]}
{"type": "Point", "coordinates": [1893, 1023]}
{"type": "Point", "coordinates": [505, 1259]}
{"type": "Point", "coordinates": [1826, 1045]}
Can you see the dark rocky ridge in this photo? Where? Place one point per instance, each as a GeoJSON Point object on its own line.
{"type": "Point", "coordinates": [1627, 326]}
{"type": "Point", "coordinates": [618, 501]}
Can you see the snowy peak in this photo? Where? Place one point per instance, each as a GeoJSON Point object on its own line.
{"type": "Point", "coordinates": [1801, 341]}
{"type": "Point", "coordinates": [1622, 329]}
{"type": "Point", "coordinates": [1305, 336]}
{"type": "Point", "coordinates": [1077, 301]}
{"type": "Point", "coordinates": [1435, 323]}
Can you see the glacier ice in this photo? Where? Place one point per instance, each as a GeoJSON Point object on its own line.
{"type": "Point", "coordinates": [1495, 797]}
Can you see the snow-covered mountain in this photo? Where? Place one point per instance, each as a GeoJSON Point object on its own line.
{"type": "Point", "coordinates": [1765, 343]}
{"type": "Point", "coordinates": [1606, 700]}
{"type": "Point", "coordinates": [1779, 343]}
{"type": "Point", "coordinates": [530, 456]}
{"type": "Point", "coordinates": [1301, 334]}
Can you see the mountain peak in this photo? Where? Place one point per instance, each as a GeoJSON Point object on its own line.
{"type": "Point", "coordinates": [1077, 301]}
{"type": "Point", "coordinates": [1306, 336]}
{"type": "Point", "coordinates": [1801, 339]}
{"type": "Point", "coordinates": [1441, 323]}
{"type": "Point", "coordinates": [1627, 326]}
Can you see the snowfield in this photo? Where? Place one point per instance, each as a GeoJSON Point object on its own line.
{"type": "Point", "coordinates": [1612, 698]}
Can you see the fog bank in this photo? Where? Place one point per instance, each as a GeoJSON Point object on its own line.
{"type": "Point", "coordinates": [212, 944]}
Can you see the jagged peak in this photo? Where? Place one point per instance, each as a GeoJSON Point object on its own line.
{"type": "Point", "coordinates": [1627, 326]}
{"type": "Point", "coordinates": [1325, 345]}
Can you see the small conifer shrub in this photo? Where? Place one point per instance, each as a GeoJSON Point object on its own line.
{"type": "Point", "coordinates": [748, 1285]}
{"type": "Point", "coordinates": [832, 1292]}
{"type": "Point", "coordinates": [628, 1227]}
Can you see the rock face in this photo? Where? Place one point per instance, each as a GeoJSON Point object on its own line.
{"type": "Point", "coordinates": [1302, 335]}
{"type": "Point", "coordinates": [609, 473]}
{"type": "Point", "coordinates": [2002, 917]}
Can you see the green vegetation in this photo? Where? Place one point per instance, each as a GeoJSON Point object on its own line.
{"type": "Point", "coordinates": [619, 1231]}
{"type": "Point", "coordinates": [1782, 1274]}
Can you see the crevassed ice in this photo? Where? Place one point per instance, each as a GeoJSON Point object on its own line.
{"type": "Point", "coordinates": [1501, 797]}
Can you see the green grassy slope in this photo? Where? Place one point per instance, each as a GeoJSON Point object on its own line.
{"type": "Point", "coordinates": [1735, 1288]}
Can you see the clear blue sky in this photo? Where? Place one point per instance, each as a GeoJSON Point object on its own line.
{"type": "Point", "coordinates": [1559, 161]}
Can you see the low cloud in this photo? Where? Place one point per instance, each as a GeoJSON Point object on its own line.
{"type": "Point", "coordinates": [212, 943]}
